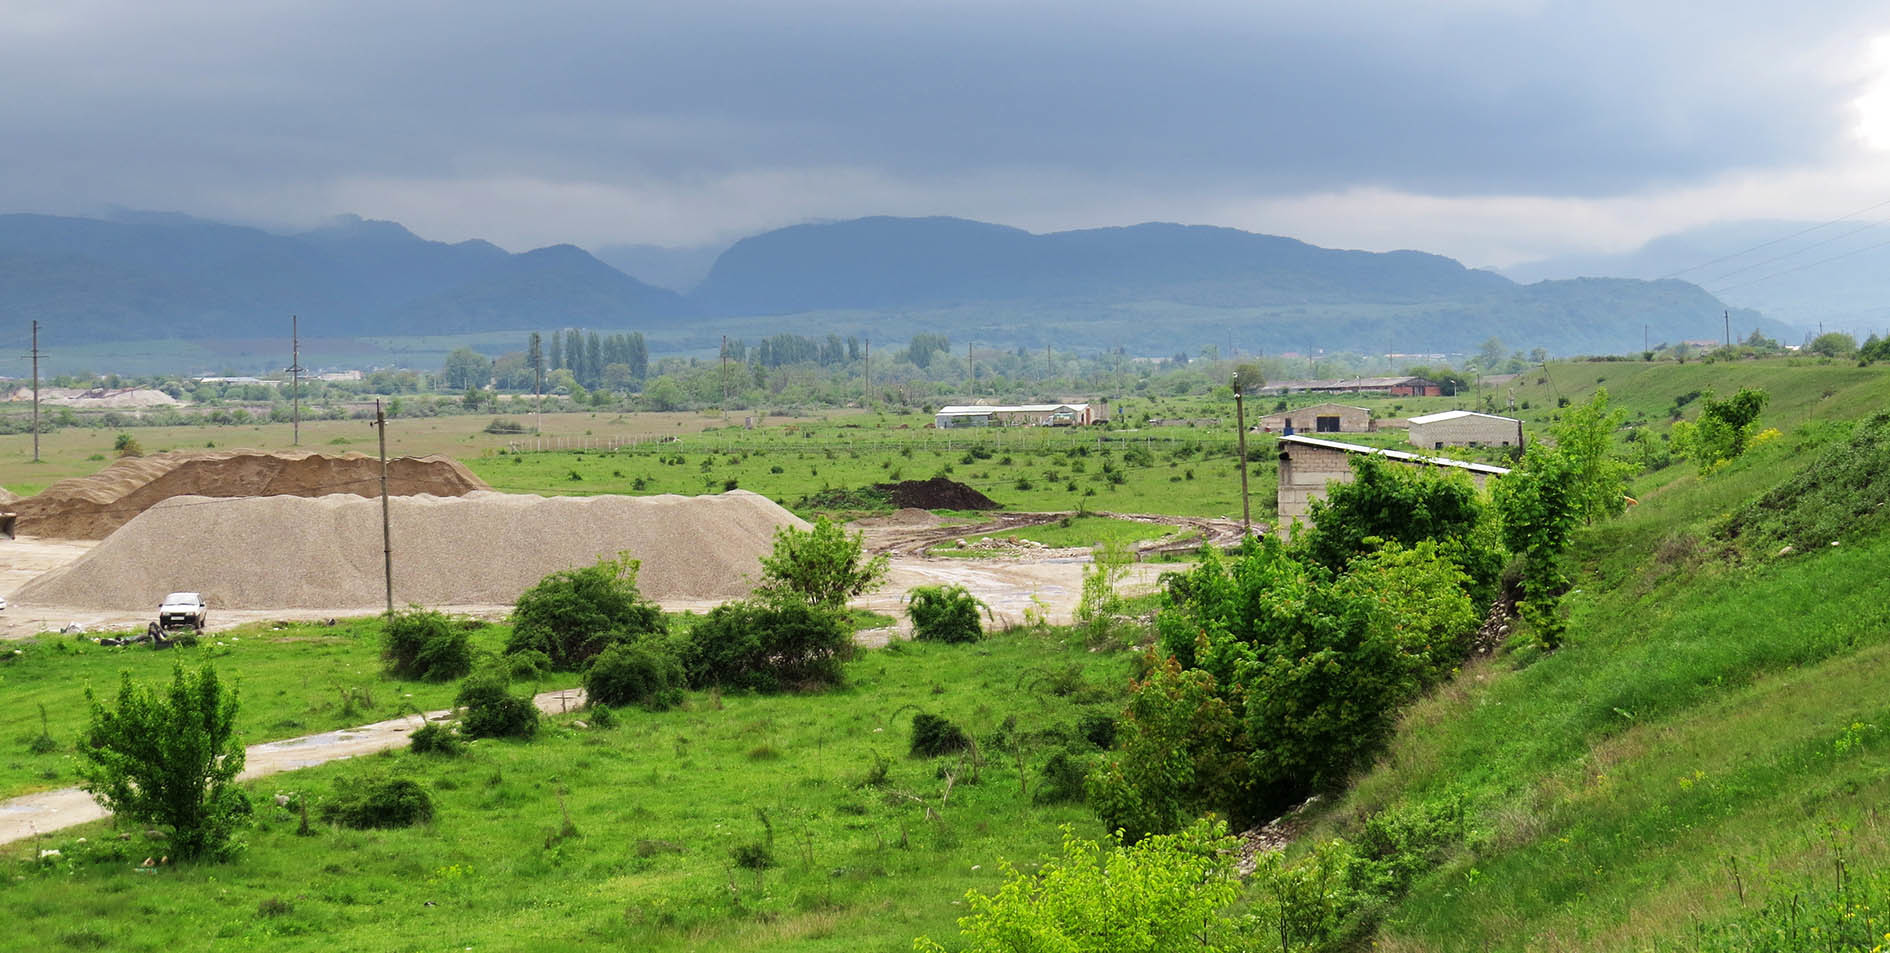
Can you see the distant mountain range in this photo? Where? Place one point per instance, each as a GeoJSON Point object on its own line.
{"type": "Point", "coordinates": [1149, 289]}
{"type": "Point", "coordinates": [1804, 273]}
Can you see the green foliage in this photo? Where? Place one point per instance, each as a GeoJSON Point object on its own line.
{"type": "Point", "coordinates": [1101, 604]}
{"type": "Point", "coordinates": [436, 738]}
{"type": "Point", "coordinates": [1178, 755]}
{"type": "Point", "coordinates": [574, 614]}
{"type": "Point", "coordinates": [170, 760]}
{"type": "Point", "coordinates": [1064, 776]}
{"type": "Point", "coordinates": [492, 711]}
{"type": "Point", "coordinates": [379, 803]}
{"type": "Point", "coordinates": [1539, 503]}
{"type": "Point", "coordinates": [1724, 429]}
{"type": "Point", "coordinates": [821, 566]}
{"type": "Point", "coordinates": [1832, 344]}
{"type": "Point", "coordinates": [1161, 894]}
{"type": "Point", "coordinates": [945, 614]}
{"type": "Point", "coordinates": [1583, 437]}
{"type": "Point", "coordinates": [1840, 495]}
{"type": "Point", "coordinates": [426, 645]}
{"type": "Point", "coordinates": [645, 673]}
{"type": "Point", "coordinates": [767, 647]}
{"type": "Point", "coordinates": [526, 665]}
{"type": "Point", "coordinates": [933, 736]}
{"type": "Point", "coordinates": [1387, 502]}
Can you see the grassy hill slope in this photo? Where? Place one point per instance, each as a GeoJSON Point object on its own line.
{"type": "Point", "coordinates": [1713, 737]}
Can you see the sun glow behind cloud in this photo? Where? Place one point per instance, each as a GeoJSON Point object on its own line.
{"type": "Point", "coordinates": [1873, 106]}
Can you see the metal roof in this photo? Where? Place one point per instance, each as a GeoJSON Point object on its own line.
{"type": "Point", "coordinates": [1397, 455]}
{"type": "Point", "coordinates": [968, 410]}
{"type": "Point", "coordinates": [1455, 414]}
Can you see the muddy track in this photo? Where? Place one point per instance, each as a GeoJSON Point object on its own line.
{"type": "Point", "coordinates": [914, 541]}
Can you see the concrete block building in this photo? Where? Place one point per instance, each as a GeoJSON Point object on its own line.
{"type": "Point", "coordinates": [1464, 428]}
{"type": "Point", "coordinates": [1319, 418]}
{"type": "Point", "coordinates": [1308, 464]}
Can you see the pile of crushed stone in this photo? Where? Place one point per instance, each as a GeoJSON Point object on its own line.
{"type": "Point", "coordinates": [937, 493]}
{"type": "Point", "coordinates": [92, 507]}
{"type": "Point", "coordinates": [484, 548]}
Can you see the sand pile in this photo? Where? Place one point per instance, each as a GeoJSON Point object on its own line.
{"type": "Point", "coordinates": [480, 549]}
{"type": "Point", "coordinates": [92, 507]}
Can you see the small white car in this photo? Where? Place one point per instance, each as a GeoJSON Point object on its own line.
{"type": "Point", "coordinates": [182, 610]}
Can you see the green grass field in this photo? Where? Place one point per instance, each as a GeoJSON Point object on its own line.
{"type": "Point", "coordinates": [622, 838]}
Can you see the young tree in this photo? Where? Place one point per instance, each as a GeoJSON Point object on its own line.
{"type": "Point", "coordinates": [170, 760]}
{"type": "Point", "coordinates": [1584, 437]}
{"type": "Point", "coordinates": [1539, 505]}
{"type": "Point", "coordinates": [821, 566]}
{"type": "Point", "coordinates": [1724, 429]}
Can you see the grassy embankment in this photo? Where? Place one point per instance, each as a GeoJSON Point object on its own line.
{"type": "Point", "coordinates": [1714, 735]}
{"type": "Point", "coordinates": [624, 837]}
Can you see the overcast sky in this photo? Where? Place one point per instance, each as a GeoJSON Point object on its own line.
{"type": "Point", "coordinates": [1495, 131]}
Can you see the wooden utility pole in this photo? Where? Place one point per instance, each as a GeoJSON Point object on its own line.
{"type": "Point", "coordinates": [387, 531]}
{"type": "Point", "coordinates": [869, 371]}
{"type": "Point", "coordinates": [724, 372]}
{"type": "Point", "coordinates": [295, 377]}
{"type": "Point", "coordinates": [1728, 316]}
{"type": "Point", "coordinates": [971, 370]}
{"type": "Point", "coordinates": [35, 391]}
{"type": "Point", "coordinates": [1048, 371]}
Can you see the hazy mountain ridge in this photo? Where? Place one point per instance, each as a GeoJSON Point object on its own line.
{"type": "Point", "coordinates": [1153, 288]}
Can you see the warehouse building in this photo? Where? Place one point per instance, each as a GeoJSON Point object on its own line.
{"type": "Point", "coordinates": [1319, 418]}
{"type": "Point", "coordinates": [1464, 428]}
{"type": "Point", "coordinates": [1017, 415]}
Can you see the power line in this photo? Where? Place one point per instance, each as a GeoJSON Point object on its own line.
{"type": "Point", "coordinates": [1775, 241]}
{"type": "Point", "coordinates": [1796, 252]}
{"type": "Point", "coordinates": [1813, 264]}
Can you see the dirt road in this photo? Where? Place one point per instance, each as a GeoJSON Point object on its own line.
{"type": "Point", "coordinates": [47, 811]}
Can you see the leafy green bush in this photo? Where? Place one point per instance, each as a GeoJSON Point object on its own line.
{"type": "Point", "coordinates": [1724, 429]}
{"type": "Point", "coordinates": [767, 647]}
{"type": "Point", "coordinates": [1164, 893]}
{"type": "Point", "coordinates": [527, 665]}
{"type": "Point", "coordinates": [645, 674]}
{"type": "Point", "coordinates": [492, 711]}
{"type": "Point", "coordinates": [933, 736]}
{"type": "Point", "coordinates": [821, 566]}
{"type": "Point", "coordinates": [427, 646]}
{"type": "Point", "coordinates": [1841, 495]}
{"type": "Point", "coordinates": [169, 760]}
{"type": "Point", "coordinates": [436, 738]}
{"type": "Point", "coordinates": [574, 614]}
{"type": "Point", "coordinates": [379, 803]}
{"type": "Point", "coordinates": [1387, 502]}
{"type": "Point", "coordinates": [945, 614]}
{"type": "Point", "coordinates": [1062, 777]}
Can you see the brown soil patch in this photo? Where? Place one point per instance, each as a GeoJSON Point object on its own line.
{"type": "Point", "coordinates": [937, 493]}
{"type": "Point", "coordinates": [92, 507]}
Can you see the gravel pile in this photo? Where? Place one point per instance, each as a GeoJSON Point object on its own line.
{"type": "Point", "coordinates": [92, 507]}
{"type": "Point", "coordinates": [483, 548]}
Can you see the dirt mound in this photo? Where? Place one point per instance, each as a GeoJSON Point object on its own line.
{"type": "Point", "coordinates": [92, 507]}
{"type": "Point", "coordinates": [484, 548]}
{"type": "Point", "coordinates": [937, 493]}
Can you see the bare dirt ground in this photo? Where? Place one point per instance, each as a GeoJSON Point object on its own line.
{"type": "Point", "coordinates": [46, 811]}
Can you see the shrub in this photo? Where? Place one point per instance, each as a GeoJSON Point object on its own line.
{"type": "Point", "coordinates": [821, 566]}
{"type": "Point", "coordinates": [755, 856]}
{"type": "Point", "coordinates": [435, 738]}
{"type": "Point", "coordinates": [645, 674]}
{"type": "Point", "coordinates": [1063, 778]}
{"type": "Point", "coordinates": [169, 760]}
{"type": "Point", "coordinates": [933, 736]}
{"type": "Point", "coordinates": [527, 665]}
{"type": "Point", "coordinates": [574, 614]}
{"type": "Point", "coordinates": [945, 614]}
{"type": "Point", "coordinates": [492, 711]}
{"type": "Point", "coordinates": [426, 646]}
{"type": "Point", "coordinates": [380, 803]}
{"type": "Point", "coordinates": [766, 647]}
{"type": "Point", "coordinates": [1389, 502]}
{"type": "Point", "coordinates": [1097, 728]}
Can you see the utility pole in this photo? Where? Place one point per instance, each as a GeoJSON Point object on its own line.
{"type": "Point", "coordinates": [971, 370]}
{"type": "Point", "coordinates": [869, 372]}
{"type": "Point", "coordinates": [724, 372]}
{"type": "Point", "coordinates": [1727, 314]}
{"type": "Point", "coordinates": [387, 532]}
{"type": "Point", "coordinates": [1643, 337]}
{"type": "Point", "coordinates": [1048, 371]}
{"type": "Point", "coordinates": [35, 391]}
{"type": "Point", "coordinates": [1240, 424]}
{"type": "Point", "coordinates": [295, 377]}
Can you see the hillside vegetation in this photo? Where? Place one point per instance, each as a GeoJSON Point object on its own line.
{"type": "Point", "coordinates": [1702, 762]}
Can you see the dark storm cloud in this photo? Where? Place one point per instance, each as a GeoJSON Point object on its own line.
{"type": "Point", "coordinates": [160, 105]}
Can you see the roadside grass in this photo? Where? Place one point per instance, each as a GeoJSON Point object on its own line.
{"type": "Point", "coordinates": [628, 837]}
{"type": "Point", "coordinates": [293, 679]}
{"type": "Point", "coordinates": [1073, 532]}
